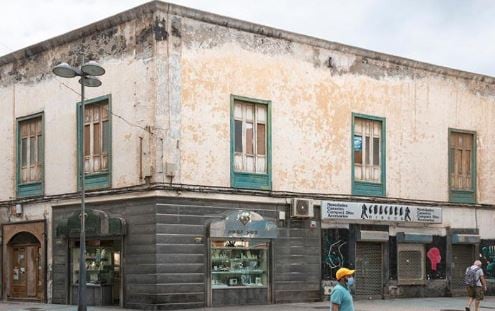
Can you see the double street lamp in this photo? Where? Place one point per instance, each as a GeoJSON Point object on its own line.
{"type": "Point", "coordinates": [87, 73]}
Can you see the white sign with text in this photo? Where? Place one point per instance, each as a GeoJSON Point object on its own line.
{"type": "Point", "coordinates": [380, 212]}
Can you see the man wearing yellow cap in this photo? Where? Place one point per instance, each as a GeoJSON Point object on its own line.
{"type": "Point", "coordinates": [341, 298]}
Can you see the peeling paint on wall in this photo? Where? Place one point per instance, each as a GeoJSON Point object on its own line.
{"type": "Point", "coordinates": [191, 68]}
{"type": "Point", "coordinates": [314, 92]}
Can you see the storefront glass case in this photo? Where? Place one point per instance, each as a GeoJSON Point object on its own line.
{"type": "Point", "coordinates": [100, 265]}
{"type": "Point", "coordinates": [102, 271]}
{"type": "Point", "coordinates": [239, 263]}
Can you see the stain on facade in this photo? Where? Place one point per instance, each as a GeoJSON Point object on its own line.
{"type": "Point", "coordinates": [171, 73]}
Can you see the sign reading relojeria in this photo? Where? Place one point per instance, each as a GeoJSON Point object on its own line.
{"type": "Point", "coordinates": [380, 212]}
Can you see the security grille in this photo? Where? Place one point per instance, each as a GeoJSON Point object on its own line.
{"type": "Point", "coordinates": [462, 257]}
{"type": "Point", "coordinates": [410, 264]}
{"type": "Point", "coordinates": [369, 270]}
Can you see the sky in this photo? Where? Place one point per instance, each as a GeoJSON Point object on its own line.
{"type": "Point", "coordinates": [458, 34]}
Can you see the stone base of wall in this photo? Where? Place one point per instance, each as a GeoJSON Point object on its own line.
{"type": "Point", "coordinates": [432, 288]}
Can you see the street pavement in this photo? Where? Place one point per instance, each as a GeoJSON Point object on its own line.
{"type": "Point", "coordinates": [412, 304]}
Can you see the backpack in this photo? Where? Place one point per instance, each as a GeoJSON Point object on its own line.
{"type": "Point", "coordinates": [470, 278]}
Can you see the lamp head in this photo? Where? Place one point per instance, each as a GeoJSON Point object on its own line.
{"type": "Point", "coordinates": [92, 68]}
{"type": "Point", "coordinates": [90, 81]}
{"type": "Point", "coordinates": [65, 70]}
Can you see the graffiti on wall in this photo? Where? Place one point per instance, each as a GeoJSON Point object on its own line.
{"type": "Point", "coordinates": [334, 257]}
{"type": "Point", "coordinates": [334, 251]}
{"type": "Point", "coordinates": [435, 258]}
{"type": "Point", "coordinates": [487, 256]}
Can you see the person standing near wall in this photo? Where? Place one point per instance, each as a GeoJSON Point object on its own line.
{"type": "Point", "coordinates": [340, 297]}
{"type": "Point", "coordinates": [475, 285]}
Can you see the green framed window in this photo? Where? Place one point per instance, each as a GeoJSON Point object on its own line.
{"type": "Point", "coordinates": [30, 156]}
{"type": "Point", "coordinates": [462, 166]}
{"type": "Point", "coordinates": [250, 143]}
{"type": "Point", "coordinates": [97, 142]}
{"type": "Point", "coordinates": [368, 155]}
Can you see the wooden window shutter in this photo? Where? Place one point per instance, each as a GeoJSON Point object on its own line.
{"type": "Point", "coordinates": [461, 149]}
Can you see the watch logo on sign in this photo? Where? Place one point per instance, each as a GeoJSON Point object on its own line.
{"type": "Point", "coordinates": [244, 218]}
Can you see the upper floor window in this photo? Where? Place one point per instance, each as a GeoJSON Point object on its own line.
{"type": "Point", "coordinates": [30, 156]}
{"type": "Point", "coordinates": [96, 138]}
{"type": "Point", "coordinates": [250, 132]}
{"type": "Point", "coordinates": [250, 137]}
{"type": "Point", "coordinates": [97, 142]}
{"type": "Point", "coordinates": [368, 154]}
{"type": "Point", "coordinates": [462, 168]}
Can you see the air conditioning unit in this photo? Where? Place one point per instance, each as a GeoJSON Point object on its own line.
{"type": "Point", "coordinates": [302, 208]}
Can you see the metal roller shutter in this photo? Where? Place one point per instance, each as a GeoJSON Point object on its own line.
{"type": "Point", "coordinates": [411, 264]}
{"type": "Point", "coordinates": [369, 270]}
{"type": "Point", "coordinates": [462, 257]}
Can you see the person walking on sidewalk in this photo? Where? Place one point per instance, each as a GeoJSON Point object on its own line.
{"type": "Point", "coordinates": [475, 285]}
{"type": "Point", "coordinates": [340, 297]}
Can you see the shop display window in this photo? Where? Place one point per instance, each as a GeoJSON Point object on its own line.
{"type": "Point", "coordinates": [102, 263]}
{"type": "Point", "coordinates": [239, 263]}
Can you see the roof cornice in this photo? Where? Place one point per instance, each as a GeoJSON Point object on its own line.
{"type": "Point", "coordinates": [154, 6]}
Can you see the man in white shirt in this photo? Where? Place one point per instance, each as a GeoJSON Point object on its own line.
{"type": "Point", "coordinates": [476, 292]}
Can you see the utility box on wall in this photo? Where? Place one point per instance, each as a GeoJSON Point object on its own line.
{"type": "Point", "coordinates": [302, 208]}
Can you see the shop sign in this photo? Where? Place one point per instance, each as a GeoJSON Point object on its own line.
{"type": "Point", "coordinates": [244, 224]}
{"type": "Point", "coordinates": [98, 223]}
{"type": "Point", "coordinates": [364, 211]}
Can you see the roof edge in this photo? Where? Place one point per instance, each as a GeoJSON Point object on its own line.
{"type": "Point", "coordinates": [212, 18]}
{"type": "Point", "coordinates": [114, 20]}
{"type": "Point", "coordinates": [318, 42]}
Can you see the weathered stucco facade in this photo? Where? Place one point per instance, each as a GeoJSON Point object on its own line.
{"type": "Point", "coordinates": [170, 73]}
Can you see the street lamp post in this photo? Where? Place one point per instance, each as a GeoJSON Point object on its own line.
{"type": "Point", "coordinates": [87, 72]}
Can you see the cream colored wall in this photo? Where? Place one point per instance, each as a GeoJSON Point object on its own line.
{"type": "Point", "coordinates": [129, 79]}
{"type": "Point", "coordinates": [185, 95]}
{"type": "Point", "coordinates": [7, 152]}
{"type": "Point", "coordinates": [311, 115]}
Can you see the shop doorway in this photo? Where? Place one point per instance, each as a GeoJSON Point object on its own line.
{"type": "Point", "coordinates": [25, 269]}
{"type": "Point", "coordinates": [239, 259]}
{"type": "Point", "coordinates": [462, 257]}
{"type": "Point", "coordinates": [103, 272]}
{"type": "Point", "coordinates": [369, 270]}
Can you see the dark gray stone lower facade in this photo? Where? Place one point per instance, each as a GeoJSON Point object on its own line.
{"type": "Point", "coordinates": [165, 252]}
{"type": "Point", "coordinates": [165, 256]}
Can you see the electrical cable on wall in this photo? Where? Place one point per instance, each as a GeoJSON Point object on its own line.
{"type": "Point", "coordinates": [146, 129]}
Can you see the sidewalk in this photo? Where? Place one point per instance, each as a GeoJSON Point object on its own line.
{"type": "Point", "coordinates": [413, 304]}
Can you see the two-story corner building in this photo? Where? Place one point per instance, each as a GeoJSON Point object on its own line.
{"type": "Point", "coordinates": [232, 163]}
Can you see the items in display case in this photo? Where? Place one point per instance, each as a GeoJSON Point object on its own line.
{"type": "Point", "coordinates": [102, 260]}
{"type": "Point", "coordinates": [101, 266]}
{"type": "Point", "coordinates": [239, 264]}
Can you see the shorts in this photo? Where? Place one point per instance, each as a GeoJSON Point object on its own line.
{"type": "Point", "coordinates": [475, 292]}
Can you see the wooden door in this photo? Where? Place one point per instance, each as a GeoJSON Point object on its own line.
{"type": "Point", "coordinates": [18, 272]}
{"type": "Point", "coordinates": [24, 271]}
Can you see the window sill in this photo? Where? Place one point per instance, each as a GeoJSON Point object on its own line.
{"type": "Point", "coordinates": [98, 180]}
{"type": "Point", "coordinates": [29, 189]}
{"type": "Point", "coordinates": [368, 188]}
{"type": "Point", "coordinates": [251, 181]}
{"type": "Point", "coordinates": [30, 183]}
{"type": "Point", "coordinates": [368, 182]}
{"type": "Point", "coordinates": [463, 196]}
